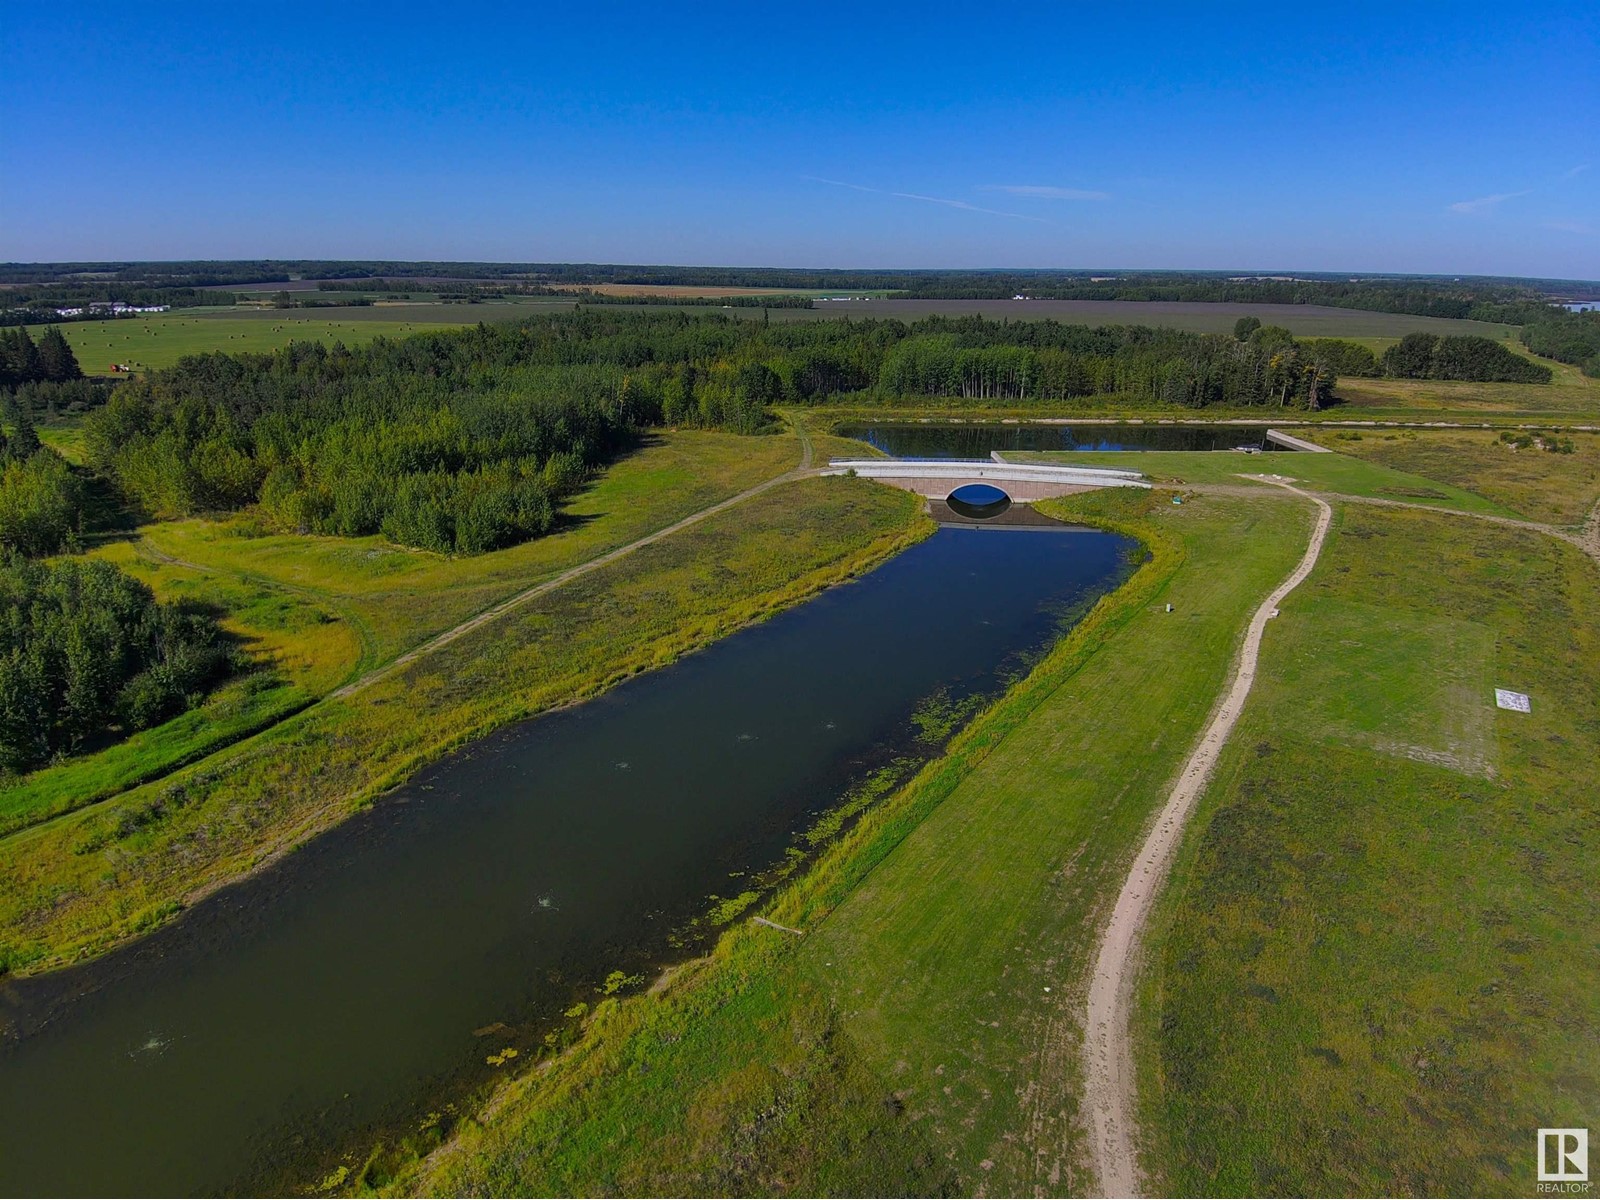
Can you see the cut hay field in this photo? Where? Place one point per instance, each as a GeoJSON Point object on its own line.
{"type": "Point", "coordinates": [1375, 972]}
{"type": "Point", "coordinates": [668, 290]}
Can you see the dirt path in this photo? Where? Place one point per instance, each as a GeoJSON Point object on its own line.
{"type": "Point", "coordinates": [1108, 1051]}
{"type": "Point", "coordinates": [565, 577]}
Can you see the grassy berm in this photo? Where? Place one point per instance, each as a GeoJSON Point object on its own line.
{"type": "Point", "coordinates": [922, 1037]}
{"type": "Point", "coordinates": [83, 880]}
{"type": "Point", "coordinates": [1376, 972]}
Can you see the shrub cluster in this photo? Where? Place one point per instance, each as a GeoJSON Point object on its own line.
{"type": "Point", "coordinates": [1479, 359]}
{"type": "Point", "coordinates": [85, 648]}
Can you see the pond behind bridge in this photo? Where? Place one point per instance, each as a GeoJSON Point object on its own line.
{"type": "Point", "coordinates": [361, 983]}
{"type": "Point", "coordinates": [950, 439]}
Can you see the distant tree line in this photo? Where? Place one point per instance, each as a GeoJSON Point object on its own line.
{"type": "Point", "coordinates": [1489, 298]}
{"type": "Point", "coordinates": [40, 305]}
{"type": "Point", "coordinates": [735, 300]}
{"type": "Point", "coordinates": [85, 648]}
{"type": "Point", "coordinates": [1567, 337]}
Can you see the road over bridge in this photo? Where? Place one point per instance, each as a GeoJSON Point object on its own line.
{"type": "Point", "coordinates": [937, 478]}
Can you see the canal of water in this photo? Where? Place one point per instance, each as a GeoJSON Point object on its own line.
{"type": "Point", "coordinates": [361, 983]}
{"type": "Point", "coordinates": [965, 440]}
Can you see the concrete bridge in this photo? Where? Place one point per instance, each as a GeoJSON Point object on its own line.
{"type": "Point", "coordinates": [1023, 482]}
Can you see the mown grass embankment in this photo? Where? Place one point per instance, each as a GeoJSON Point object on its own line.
{"type": "Point", "coordinates": [87, 879]}
{"type": "Point", "coordinates": [1337, 473]}
{"type": "Point", "coordinates": [1376, 969]}
{"type": "Point", "coordinates": [922, 1037]}
{"type": "Point", "coordinates": [1558, 488]}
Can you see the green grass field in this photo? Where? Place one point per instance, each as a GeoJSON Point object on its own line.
{"type": "Point", "coordinates": [1385, 898]}
{"type": "Point", "coordinates": [1570, 395]}
{"type": "Point", "coordinates": [1540, 485]}
{"type": "Point", "coordinates": [300, 648]}
{"type": "Point", "coordinates": [161, 339]}
{"type": "Point", "coordinates": [1320, 472]}
{"type": "Point", "coordinates": [1376, 971]}
{"type": "Point", "coordinates": [922, 1038]}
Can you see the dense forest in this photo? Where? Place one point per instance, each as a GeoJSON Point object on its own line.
{"type": "Point", "coordinates": [41, 497]}
{"type": "Point", "coordinates": [84, 648]}
{"type": "Point", "coordinates": [1567, 337]}
{"type": "Point", "coordinates": [466, 441]}
{"type": "Point", "coordinates": [452, 442]}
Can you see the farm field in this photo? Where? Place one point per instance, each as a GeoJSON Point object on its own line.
{"type": "Point", "coordinates": [161, 339]}
{"type": "Point", "coordinates": [1388, 891]}
{"type": "Point", "coordinates": [668, 290]}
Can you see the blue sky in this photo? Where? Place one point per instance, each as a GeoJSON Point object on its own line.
{"type": "Point", "coordinates": [1400, 137]}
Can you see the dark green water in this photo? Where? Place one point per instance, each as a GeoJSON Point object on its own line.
{"type": "Point", "coordinates": [334, 998]}
{"type": "Point", "coordinates": [949, 440]}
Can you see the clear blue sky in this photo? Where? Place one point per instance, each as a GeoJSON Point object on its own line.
{"type": "Point", "coordinates": [1397, 137]}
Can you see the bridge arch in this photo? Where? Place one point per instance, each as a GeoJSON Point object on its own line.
{"type": "Point", "coordinates": [978, 501]}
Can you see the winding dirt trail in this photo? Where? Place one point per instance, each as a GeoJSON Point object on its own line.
{"type": "Point", "coordinates": [1108, 1051]}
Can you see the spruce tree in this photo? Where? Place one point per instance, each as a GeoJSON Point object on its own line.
{"type": "Point", "coordinates": [19, 357]}
{"type": "Point", "coordinates": [57, 363]}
